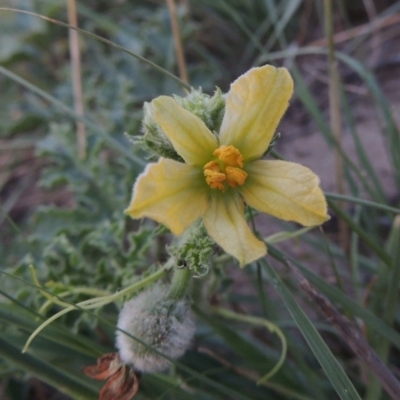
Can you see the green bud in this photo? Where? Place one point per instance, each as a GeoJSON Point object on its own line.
{"type": "Point", "coordinates": [195, 251]}
{"type": "Point", "coordinates": [210, 109]}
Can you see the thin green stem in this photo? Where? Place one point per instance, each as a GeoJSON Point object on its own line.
{"type": "Point", "coordinates": [260, 290]}
{"type": "Point", "coordinates": [332, 261]}
{"type": "Point", "coordinates": [354, 257]}
{"type": "Point", "coordinates": [56, 300]}
{"type": "Point", "coordinates": [179, 284]}
{"type": "Point", "coordinates": [99, 301]}
{"type": "Point", "coordinates": [260, 322]}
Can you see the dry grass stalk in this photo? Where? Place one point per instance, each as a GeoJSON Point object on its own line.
{"type": "Point", "coordinates": [335, 115]}
{"type": "Point", "coordinates": [364, 29]}
{"type": "Point", "coordinates": [180, 55]}
{"type": "Point", "coordinates": [76, 76]}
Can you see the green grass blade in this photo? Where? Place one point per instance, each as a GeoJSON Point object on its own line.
{"type": "Point", "coordinates": [305, 96]}
{"type": "Point", "coordinates": [338, 297]}
{"type": "Point", "coordinates": [362, 155]}
{"type": "Point", "coordinates": [54, 333]}
{"type": "Point", "coordinates": [240, 23]}
{"type": "Point", "coordinates": [355, 200]}
{"type": "Point", "coordinates": [392, 279]}
{"type": "Point", "coordinates": [382, 254]}
{"type": "Point", "coordinates": [392, 295]}
{"type": "Point", "coordinates": [354, 258]}
{"type": "Point", "coordinates": [288, 12]}
{"type": "Point", "coordinates": [251, 353]}
{"type": "Point", "coordinates": [245, 349]}
{"type": "Point", "coordinates": [46, 372]}
{"type": "Point", "coordinates": [393, 132]}
{"type": "Point", "coordinates": [331, 366]}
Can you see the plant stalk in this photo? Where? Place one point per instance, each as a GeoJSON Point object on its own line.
{"type": "Point", "coordinates": [335, 114]}
{"type": "Point", "coordinates": [77, 77]}
{"type": "Point", "coordinates": [180, 55]}
{"type": "Point", "coordinates": [179, 283]}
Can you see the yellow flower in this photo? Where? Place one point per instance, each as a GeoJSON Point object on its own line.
{"type": "Point", "coordinates": [221, 174]}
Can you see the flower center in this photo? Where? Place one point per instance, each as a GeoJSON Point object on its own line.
{"type": "Point", "coordinates": [226, 169]}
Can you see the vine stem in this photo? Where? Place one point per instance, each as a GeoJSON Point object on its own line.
{"type": "Point", "coordinates": [179, 284]}
{"type": "Point", "coordinates": [99, 301]}
{"type": "Point", "coordinates": [260, 322]}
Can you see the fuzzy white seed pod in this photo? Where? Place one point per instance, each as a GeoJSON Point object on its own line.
{"type": "Point", "coordinates": [164, 324]}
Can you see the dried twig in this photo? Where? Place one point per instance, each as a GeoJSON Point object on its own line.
{"type": "Point", "coordinates": [304, 22]}
{"type": "Point", "coordinates": [250, 375]}
{"type": "Point", "coordinates": [364, 29]}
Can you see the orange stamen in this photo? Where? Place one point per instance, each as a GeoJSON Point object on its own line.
{"type": "Point", "coordinates": [235, 176]}
{"type": "Point", "coordinates": [230, 156]}
{"type": "Point", "coordinates": [226, 170]}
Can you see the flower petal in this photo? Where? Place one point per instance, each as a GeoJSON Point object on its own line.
{"type": "Point", "coordinates": [107, 365]}
{"type": "Point", "coordinates": [170, 192]}
{"type": "Point", "coordinates": [254, 106]}
{"type": "Point", "coordinates": [121, 386]}
{"type": "Point", "coordinates": [225, 223]}
{"type": "Point", "coordinates": [189, 135]}
{"type": "Point", "coordinates": [286, 190]}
